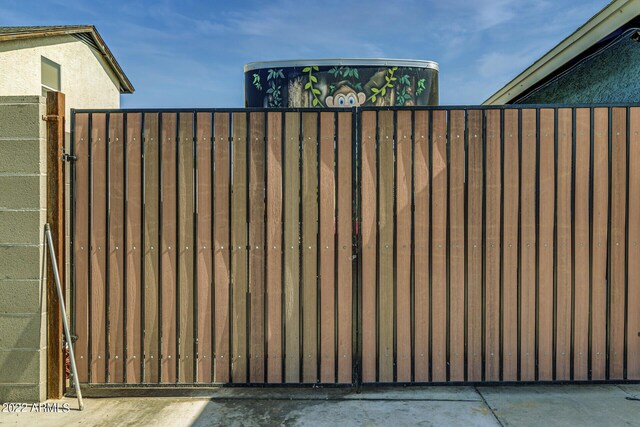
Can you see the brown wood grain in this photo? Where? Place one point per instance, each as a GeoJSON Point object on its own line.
{"type": "Point", "coordinates": [168, 334]}
{"type": "Point", "coordinates": [239, 256]}
{"type": "Point", "coordinates": [292, 247]}
{"type": "Point", "coordinates": [98, 249]}
{"type": "Point", "coordinates": [56, 219]}
{"type": "Point", "coordinates": [133, 240]}
{"type": "Point", "coordinates": [421, 199]}
{"type": "Point", "coordinates": [257, 252]}
{"type": "Point", "coordinates": [386, 310]}
{"type": "Point", "coordinates": [545, 244]}
{"type": "Point", "coordinates": [456, 245]}
{"type": "Point", "coordinates": [327, 249]}
{"type": "Point", "coordinates": [474, 244]}
{"type": "Point", "coordinates": [633, 274]}
{"type": "Point", "coordinates": [115, 308]}
{"type": "Point", "coordinates": [439, 246]}
{"type": "Point", "coordinates": [203, 248]}
{"type": "Point", "coordinates": [222, 250]}
{"type": "Point", "coordinates": [81, 246]}
{"type": "Point", "coordinates": [600, 221]}
{"type": "Point", "coordinates": [527, 261]}
{"type": "Point", "coordinates": [152, 252]}
{"type": "Point", "coordinates": [185, 250]}
{"type": "Point", "coordinates": [403, 247]}
{"type": "Point", "coordinates": [510, 209]}
{"type": "Point", "coordinates": [343, 259]}
{"type": "Point", "coordinates": [581, 225]}
{"type": "Point", "coordinates": [492, 246]}
{"type": "Point", "coordinates": [617, 258]}
{"type": "Point", "coordinates": [563, 245]}
{"type": "Point", "coordinates": [309, 247]}
{"type": "Point", "coordinates": [274, 247]}
{"type": "Point", "coordinates": [369, 246]}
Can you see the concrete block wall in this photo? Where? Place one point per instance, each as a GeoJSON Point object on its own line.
{"type": "Point", "coordinates": [23, 166]}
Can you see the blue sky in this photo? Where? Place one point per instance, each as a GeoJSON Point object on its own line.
{"type": "Point", "coordinates": [189, 53]}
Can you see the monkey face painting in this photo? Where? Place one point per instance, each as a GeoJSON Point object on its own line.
{"type": "Point", "coordinates": [345, 96]}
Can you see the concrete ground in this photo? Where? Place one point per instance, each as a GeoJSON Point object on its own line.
{"type": "Point", "coordinates": [523, 405]}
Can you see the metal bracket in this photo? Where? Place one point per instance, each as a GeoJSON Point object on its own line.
{"type": "Point", "coordinates": [68, 157]}
{"type": "Point", "coordinates": [51, 117]}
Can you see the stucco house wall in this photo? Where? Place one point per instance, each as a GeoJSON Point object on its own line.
{"type": "Point", "coordinates": [86, 79]}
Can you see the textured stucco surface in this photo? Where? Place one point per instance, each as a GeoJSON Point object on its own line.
{"type": "Point", "coordinates": [609, 77]}
{"type": "Point", "coordinates": [22, 216]}
{"type": "Point", "coordinates": [86, 80]}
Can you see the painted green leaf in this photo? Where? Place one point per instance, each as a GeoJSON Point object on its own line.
{"type": "Point", "coordinates": [383, 91]}
{"type": "Point", "coordinates": [313, 79]}
{"type": "Point", "coordinates": [316, 91]}
{"type": "Point", "coordinates": [387, 78]}
{"type": "Point", "coordinates": [315, 68]}
{"type": "Point", "coordinates": [315, 102]}
{"type": "Point", "coordinates": [355, 73]}
{"type": "Point", "coordinates": [306, 69]}
{"type": "Point", "coordinates": [394, 68]}
{"type": "Point", "coordinates": [308, 85]}
{"type": "Point", "coordinates": [375, 90]}
{"type": "Point", "coordinates": [394, 79]}
{"type": "Point", "coordinates": [373, 98]}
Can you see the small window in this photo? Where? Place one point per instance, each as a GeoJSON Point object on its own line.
{"type": "Point", "coordinates": [50, 76]}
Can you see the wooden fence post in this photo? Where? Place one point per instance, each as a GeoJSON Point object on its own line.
{"type": "Point", "coordinates": [55, 217]}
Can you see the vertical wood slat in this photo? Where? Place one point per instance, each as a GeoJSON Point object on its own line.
{"type": "Point", "coordinates": [344, 260]}
{"type": "Point", "coordinates": [292, 247]}
{"type": "Point", "coordinates": [115, 322]}
{"type": "Point", "coordinates": [309, 283]}
{"type": "Point", "coordinates": [509, 286]}
{"type": "Point", "coordinates": [475, 218]}
{"type": "Point", "coordinates": [581, 262]}
{"type": "Point", "coordinates": [222, 250]}
{"type": "Point", "coordinates": [257, 251]}
{"type": "Point", "coordinates": [81, 244]}
{"type": "Point", "coordinates": [528, 246]}
{"type": "Point", "coordinates": [403, 246]}
{"type": "Point", "coordinates": [327, 249]}
{"type": "Point", "coordinates": [369, 263]}
{"type": "Point", "coordinates": [492, 245]}
{"type": "Point", "coordinates": [599, 225]}
{"type": "Point", "coordinates": [98, 194]}
{"type": "Point", "coordinates": [439, 247]}
{"type": "Point", "coordinates": [633, 269]}
{"type": "Point", "coordinates": [168, 327]}
{"type": "Point", "coordinates": [456, 316]}
{"type": "Point", "coordinates": [239, 241]}
{"type": "Point", "coordinates": [134, 250]}
{"type": "Point", "coordinates": [617, 243]}
{"type": "Point", "coordinates": [274, 247]}
{"type": "Point", "coordinates": [563, 250]}
{"type": "Point", "coordinates": [203, 248]}
{"type": "Point", "coordinates": [546, 244]}
{"type": "Point", "coordinates": [421, 237]}
{"type": "Point", "coordinates": [386, 312]}
{"type": "Point", "coordinates": [184, 249]}
{"type": "Point", "coordinates": [152, 249]}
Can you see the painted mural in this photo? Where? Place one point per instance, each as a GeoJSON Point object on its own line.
{"type": "Point", "coordinates": [341, 86]}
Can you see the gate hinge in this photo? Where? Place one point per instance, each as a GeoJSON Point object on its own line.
{"type": "Point", "coordinates": [51, 117]}
{"type": "Point", "coordinates": [68, 157]}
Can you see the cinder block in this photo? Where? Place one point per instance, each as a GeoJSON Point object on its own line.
{"type": "Point", "coordinates": [20, 120]}
{"type": "Point", "coordinates": [22, 331]}
{"type": "Point", "coordinates": [21, 227]}
{"type": "Point", "coordinates": [22, 393]}
{"type": "Point", "coordinates": [21, 262]}
{"type": "Point", "coordinates": [23, 156]}
{"type": "Point", "coordinates": [23, 296]}
{"type": "Point", "coordinates": [20, 366]}
{"type": "Point", "coordinates": [23, 192]}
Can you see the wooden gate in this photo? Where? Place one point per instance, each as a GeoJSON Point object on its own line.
{"type": "Point", "coordinates": [213, 247]}
{"type": "Point", "coordinates": [376, 245]}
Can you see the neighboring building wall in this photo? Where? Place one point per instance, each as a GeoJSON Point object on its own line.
{"type": "Point", "coordinates": [86, 80]}
{"type": "Point", "coordinates": [23, 204]}
{"type": "Point", "coordinates": [608, 77]}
